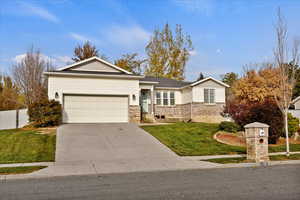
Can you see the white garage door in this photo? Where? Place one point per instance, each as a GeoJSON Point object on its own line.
{"type": "Point", "coordinates": [95, 109]}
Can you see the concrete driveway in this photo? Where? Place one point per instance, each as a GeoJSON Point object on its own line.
{"type": "Point", "coordinates": [112, 148]}
{"type": "Point", "coordinates": [107, 142]}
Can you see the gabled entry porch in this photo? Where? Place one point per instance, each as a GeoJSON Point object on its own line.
{"type": "Point", "coordinates": [147, 103]}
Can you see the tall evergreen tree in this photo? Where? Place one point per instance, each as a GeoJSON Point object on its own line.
{"type": "Point", "coordinates": [201, 76]}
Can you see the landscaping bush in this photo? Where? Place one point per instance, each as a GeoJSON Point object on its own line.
{"type": "Point", "coordinates": [265, 112]}
{"type": "Point", "coordinates": [45, 113]}
{"type": "Point", "coordinates": [229, 127]}
{"type": "Point", "coordinates": [293, 124]}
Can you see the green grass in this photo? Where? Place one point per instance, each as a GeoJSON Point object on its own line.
{"type": "Point", "coordinates": [282, 148]}
{"type": "Point", "coordinates": [244, 160]}
{"type": "Point", "coordinates": [284, 157]}
{"type": "Point", "coordinates": [192, 139]}
{"type": "Point", "coordinates": [18, 145]}
{"type": "Point", "coordinates": [196, 139]}
{"type": "Point", "coordinates": [19, 170]}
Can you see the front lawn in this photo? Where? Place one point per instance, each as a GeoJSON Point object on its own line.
{"type": "Point", "coordinates": [196, 139]}
{"type": "Point", "coordinates": [192, 139]}
{"type": "Point", "coordinates": [27, 145]}
{"type": "Point", "coordinates": [19, 170]}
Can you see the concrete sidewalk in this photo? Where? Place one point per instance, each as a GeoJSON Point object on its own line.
{"type": "Point", "coordinates": [230, 156]}
{"type": "Point", "coordinates": [109, 167]}
{"type": "Point", "coordinates": [130, 166]}
{"type": "Point", "coordinates": [27, 164]}
{"type": "Point", "coordinates": [71, 168]}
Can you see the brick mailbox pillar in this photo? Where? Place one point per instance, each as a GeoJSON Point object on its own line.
{"type": "Point", "coordinates": [257, 141]}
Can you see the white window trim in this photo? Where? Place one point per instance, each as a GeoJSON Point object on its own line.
{"type": "Point", "coordinates": [168, 98]}
{"type": "Point", "coordinates": [162, 98]}
{"type": "Point", "coordinates": [158, 98]}
{"type": "Point", "coordinates": [209, 103]}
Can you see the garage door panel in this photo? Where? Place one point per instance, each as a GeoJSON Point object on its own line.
{"type": "Point", "coordinates": [95, 109]}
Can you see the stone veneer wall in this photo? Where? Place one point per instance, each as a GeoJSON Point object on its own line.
{"type": "Point", "coordinates": [174, 113]}
{"type": "Point", "coordinates": [201, 112]}
{"type": "Point", "coordinates": [207, 113]}
{"type": "Point", "coordinates": [134, 114]}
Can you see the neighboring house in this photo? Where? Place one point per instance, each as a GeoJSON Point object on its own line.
{"type": "Point", "coordinates": [95, 91]}
{"type": "Point", "coordinates": [296, 103]}
{"type": "Point", "coordinates": [296, 111]}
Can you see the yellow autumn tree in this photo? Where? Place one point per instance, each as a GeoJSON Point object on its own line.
{"type": "Point", "coordinates": [256, 85]}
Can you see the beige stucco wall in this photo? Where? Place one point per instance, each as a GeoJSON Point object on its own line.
{"type": "Point", "coordinates": [198, 91]}
{"type": "Point", "coordinates": [95, 66]}
{"type": "Point", "coordinates": [186, 95]}
{"type": "Point", "coordinates": [89, 85]}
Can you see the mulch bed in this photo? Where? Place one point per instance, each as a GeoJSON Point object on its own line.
{"type": "Point", "coordinates": [235, 139]}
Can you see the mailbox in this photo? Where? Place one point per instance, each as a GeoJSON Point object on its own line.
{"type": "Point", "coordinates": [257, 141]}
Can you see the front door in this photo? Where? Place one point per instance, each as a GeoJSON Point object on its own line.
{"type": "Point", "coordinates": [144, 101]}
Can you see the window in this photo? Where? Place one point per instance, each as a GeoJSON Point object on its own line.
{"type": "Point", "coordinates": [158, 98]}
{"type": "Point", "coordinates": [165, 100]}
{"type": "Point", "coordinates": [209, 95]}
{"type": "Point", "coordinates": [172, 98]}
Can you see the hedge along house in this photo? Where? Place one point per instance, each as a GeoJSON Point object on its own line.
{"type": "Point", "coordinates": [96, 91]}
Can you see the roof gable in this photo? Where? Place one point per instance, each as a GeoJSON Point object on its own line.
{"type": "Point", "coordinates": [94, 64]}
{"type": "Point", "coordinates": [207, 79]}
{"type": "Point", "coordinates": [295, 100]}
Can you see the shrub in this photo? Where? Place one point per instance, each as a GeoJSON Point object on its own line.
{"type": "Point", "coordinates": [265, 112]}
{"type": "Point", "coordinates": [229, 127]}
{"type": "Point", "coordinates": [45, 113]}
{"type": "Point", "coordinates": [293, 124]}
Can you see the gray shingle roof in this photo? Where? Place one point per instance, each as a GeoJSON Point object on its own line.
{"type": "Point", "coordinates": [165, 82]}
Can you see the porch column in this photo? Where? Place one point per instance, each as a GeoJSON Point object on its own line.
{"type": "Point", "coordinates": [152, 101]}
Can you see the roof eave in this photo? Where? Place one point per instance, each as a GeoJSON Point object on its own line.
{"type": "Point", "coordinates": [209, 78]}
{"type": "Point", "coordinates": [93, 75]}
{"type": "Point", "coordinates": [94, 58]}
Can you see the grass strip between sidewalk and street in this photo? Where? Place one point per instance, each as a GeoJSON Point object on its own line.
{"type": "Point", "coordinates": [244, 159]}
{"type": "Point", "coordinates": [20, 170]}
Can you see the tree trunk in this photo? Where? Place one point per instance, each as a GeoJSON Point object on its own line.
{"type": "Point", "coordinates": [286, 133]}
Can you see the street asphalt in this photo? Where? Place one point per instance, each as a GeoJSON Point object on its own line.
{"type": "Point", "coordinates": [275, 182]}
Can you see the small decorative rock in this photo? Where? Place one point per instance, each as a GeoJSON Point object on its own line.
{"type": "Point", "coordinates": [257, 141]}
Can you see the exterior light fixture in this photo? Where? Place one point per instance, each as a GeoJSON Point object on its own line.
{"type": "Point", "coordinates": [133, 97]}
{"type": "Point", "coordinates": [56, 95]}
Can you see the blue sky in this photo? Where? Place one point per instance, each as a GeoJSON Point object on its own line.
{"type": "Point", "coordinates": [227, 34]}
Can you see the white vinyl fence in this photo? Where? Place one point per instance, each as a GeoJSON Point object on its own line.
{"type": "Point", "coordinates": [13, 119]}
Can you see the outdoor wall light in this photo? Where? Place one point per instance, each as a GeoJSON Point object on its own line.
{"type": "Point", "coordinates": [56, 95]}
{"type": "Point", "coordinates": [133, 97]}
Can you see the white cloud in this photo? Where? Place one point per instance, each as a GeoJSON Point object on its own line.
{"type": "Point", "coordinates": [63, 59]}
{"type": "Point", "coordinates": [193, 52]}
{"type": "Point", "coordinates": [219, 51]}
{"type": "Point", "coordinates": [127, 35]}
{"type": "Point", "coordinates": [205, 7]}
{"type": "Point", "coordinates": [79, 37]}
{"type": "Point", "coordinates": [55, 60]}
{"type": "Point", "coordinates": [19, 58]}
{"type": "Point", "coordinates": [35, 10]}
